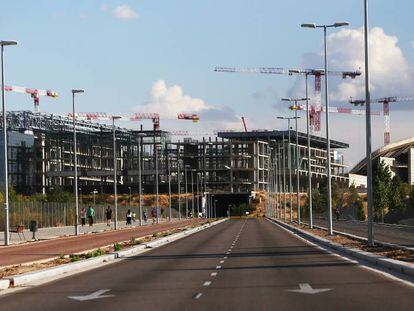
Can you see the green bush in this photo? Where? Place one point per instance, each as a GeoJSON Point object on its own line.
{"type": "Point", "coordinates": [117, 247]}
{"type": "Point", "coordinates": [74, 257]}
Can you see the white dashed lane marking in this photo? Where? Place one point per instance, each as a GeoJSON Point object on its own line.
{"type": "Point", "coordinates": [197, 296]}
{"type": "Point", "coordinates": [213, 274]}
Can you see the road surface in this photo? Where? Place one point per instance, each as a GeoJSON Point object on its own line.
{"type": "Point", "coordinates": [403, 235]}
{"type": "Point", "coordinates": [237, 265]}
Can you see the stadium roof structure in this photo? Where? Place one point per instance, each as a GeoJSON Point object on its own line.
{"type": "Point", "coordinates": [392, 150]}
{"type": "Point", "coordinates": [316, 141]}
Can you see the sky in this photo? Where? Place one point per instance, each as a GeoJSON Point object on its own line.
{"type": "Point", "coordinates": [159, 56]}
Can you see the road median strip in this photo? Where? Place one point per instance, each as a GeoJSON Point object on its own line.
{"type": "Point", "coordinates": [34, 277]}
{"type": "Point", "coordinates": [375, 259]}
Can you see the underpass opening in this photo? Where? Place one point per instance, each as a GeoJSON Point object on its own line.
{"type": "Point", "coordinates": [231, 204]}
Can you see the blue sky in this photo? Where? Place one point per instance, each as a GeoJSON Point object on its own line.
{"type": "Point", "coordinates": [83, 44]}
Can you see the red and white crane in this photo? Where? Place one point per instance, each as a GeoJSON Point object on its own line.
{"type": "Point", "coordinates": [315, 107]}
{"type": "Point", "coordinates": [187, 116]}
{"type": "Point", "coordinates": [386, 108]}
{"type": "Point", "coordinates": [34, 93]}
{"type": "Point", "coordinates": [132, 116]}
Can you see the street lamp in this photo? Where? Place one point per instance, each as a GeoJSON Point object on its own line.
{"type": "Point", "coordinates": [295, 107]}
{"type": "Point", "coordinates": [94, 192]}
{"type": "Point", "coordinates": [328, 147]}
{"type": "Point", "coordinates": [130, 196]}
{"type": "Point", "coordinates": [75, 161]}
{"type": "Point", "coordinates": [169, 186]}
{"type": "Point", "coordinates": [368, 130]}
{"type": "Point", "coordinates": [186, 190]}
{"type": "Point", "coordinates": [289, 163]}
{"type": "Point", "coordinates": [115, 173]}
{"type": "Point", "coordinates": [179, 187]}
{"type": "Point", "coordinates": [5, 145]}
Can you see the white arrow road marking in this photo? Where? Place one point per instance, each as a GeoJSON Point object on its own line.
{"type": "Point", "coordinates": [305, 288]}
{"type": "Point", "coordinates": [95, 295]}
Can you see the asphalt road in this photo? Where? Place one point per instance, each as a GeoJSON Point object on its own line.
{"type": "Point", "coordinates": [403, 235]}
{"type": "Point", "coordinates": [237, 265]}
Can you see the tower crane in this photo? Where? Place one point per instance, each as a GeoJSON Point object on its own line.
{"type": "Point", "coordinates": [133, 116]}
{"type": "Point", "coordinates": [386, 108]}
{"type": "Point", "coordinates": [315, 112]}
{"type": "Point", "coordinates": [34, 93]}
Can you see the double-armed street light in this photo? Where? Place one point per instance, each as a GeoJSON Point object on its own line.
{"type": "Point", "coordinates": [289, 161]}
{"type": "Point", "coordinates": [5, 145]}
{"type": "Point", "coordinates": [75, 161]}
{"type": "Point", "coordinates": [328, 147]}
{"type": "Point", "coordinates": [115, 171]}
{"type": "Point", "coordinates": [295, 107]}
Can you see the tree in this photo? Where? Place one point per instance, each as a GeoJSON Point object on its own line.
{"type": "Point", "coordinates": [58, 195]}
{"type": "Point", "coordinates": [396, 194]}
{"type": "Point", "coordinates": [382, 190]}
{"type": "Point", "coordinates": [355, 201]}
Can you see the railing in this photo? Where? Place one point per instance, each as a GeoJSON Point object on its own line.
{"type": "Point", "coordinates": [50, 214]}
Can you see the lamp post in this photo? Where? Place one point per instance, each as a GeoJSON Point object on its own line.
{"type": "Point", "coordinates": [186, 190]}
{"type": "Point", "coordinates": [289, 164]}
{"type": "Point", "coordinates": [130, 196]}
{"type": "Point", "coordinates": [75, 162]}
{"type": "Point", "coordinates": [169, 187]}
{"type": "Point", "coordinates": [140, 181]}
{"type": "Point", "coordinates": [192, 193]}
{"type": "Point", "coordinates": [328, 147]}
{"type": "Point", "coordinates": [179, 188]}
{"type": "Point", "coordinates": [5, 145]}
{"type": "Point", "coordinates": [157, 208]}
{"type": "Point", "coordinates": [295, 107]}
{"type": "Point", "coordinates": [115, 171]}
{"type": "Point", "coordinates": [368, 130]}
{"type": "Point", "coordinates": [94, 192]}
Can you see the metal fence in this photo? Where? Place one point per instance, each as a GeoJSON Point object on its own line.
{"type": "Point", "coordinates": [50, 214]}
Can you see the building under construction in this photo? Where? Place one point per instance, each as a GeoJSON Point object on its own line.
{"type": "Point", "coordinates": [41, 156]}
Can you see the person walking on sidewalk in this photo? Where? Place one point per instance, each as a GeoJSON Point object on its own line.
{"type": "Point", "coordinates": [145, 216]}
{"type": "Point", "coordinates": [153, 214]}
{"type": "Point", "coordinates": [128, 218]}
{"type": "Point", "coordinates": [83, 216]}
{"type": "Point", "coordinates": [108, 213]}
{"type": "Point", "coordinates": [91, 215]}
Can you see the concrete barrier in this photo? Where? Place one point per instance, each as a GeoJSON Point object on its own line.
{"type": "Point", "coordinates": [375, 259]}
{"type": "Point", "coordinates": [4, 283]}
{"type": "Point", "coordinates": [28, 278]}
{"type": "Point", "coordinates": [31, 278]}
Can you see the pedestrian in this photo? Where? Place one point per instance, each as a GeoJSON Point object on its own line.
{"type": "Point", "coordinates": [91, 215]}
{"type": "Point", "coordinates": [134, 216]}
{"type": "Point", "coordinates": [337, 212]}
{"type": "Point", "coordinates": [145, 216]}
{"type": "Point", "coordinates": [128, 217]}
{"type": "Point", "coordinates": [153, 214]}
{"type": "Point", "coordinates": [83, 216]}
{"type": "Point", "coordinates": [108, 213]}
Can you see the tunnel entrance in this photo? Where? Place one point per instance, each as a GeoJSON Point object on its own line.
{"type": "Point", "coordinates": [234, 203]}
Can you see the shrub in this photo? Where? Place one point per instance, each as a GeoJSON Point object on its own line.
{"type": "Point", "coordinates": [117, 247]}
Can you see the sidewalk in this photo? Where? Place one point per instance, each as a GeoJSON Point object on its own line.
{"type": "Point", "coordinates": [55, 232]}
{"type": "Point", "coordinates": [29, 252]}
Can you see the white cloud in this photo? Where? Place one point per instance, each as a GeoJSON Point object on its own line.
{"type": "Point", "coordinates": [125, 12]}
{"type": "Point", "coordinates": [391, 74]}
{"type": "Point", "coordinates": [169, 101]}
{"type": "Point", "coordinates": [104, 7]}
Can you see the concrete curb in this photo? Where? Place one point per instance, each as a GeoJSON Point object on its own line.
{"type": "Point", "coordinates": [27, 278]}
{"type": "Point", "coordinates": [31, 278]}
{"type": "Point", "coordinates": [374, 259]}
{"type": "Point", "coordinates": [362, 239]}
{"type": "Point", "coordinates": [4, 284]}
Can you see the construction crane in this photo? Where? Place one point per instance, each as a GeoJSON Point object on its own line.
{"type": "Point", "coordinates": [386, 109]}
{"type": "Point", "coordinates": [315, 119]}
{"type": "Point", "coordinates": [186, 116]}
{"type": "Point", "coordinates": [244, 124]}
{"type": "Point", "coordinates": [34, 93]}
{"type": "Point", "coordinates": [134, 116]}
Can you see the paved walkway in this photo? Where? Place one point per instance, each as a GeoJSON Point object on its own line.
{"type": "Point", "coordinates": [55, 232]}
{"type": "Point", "coordinates": [29, 252]}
